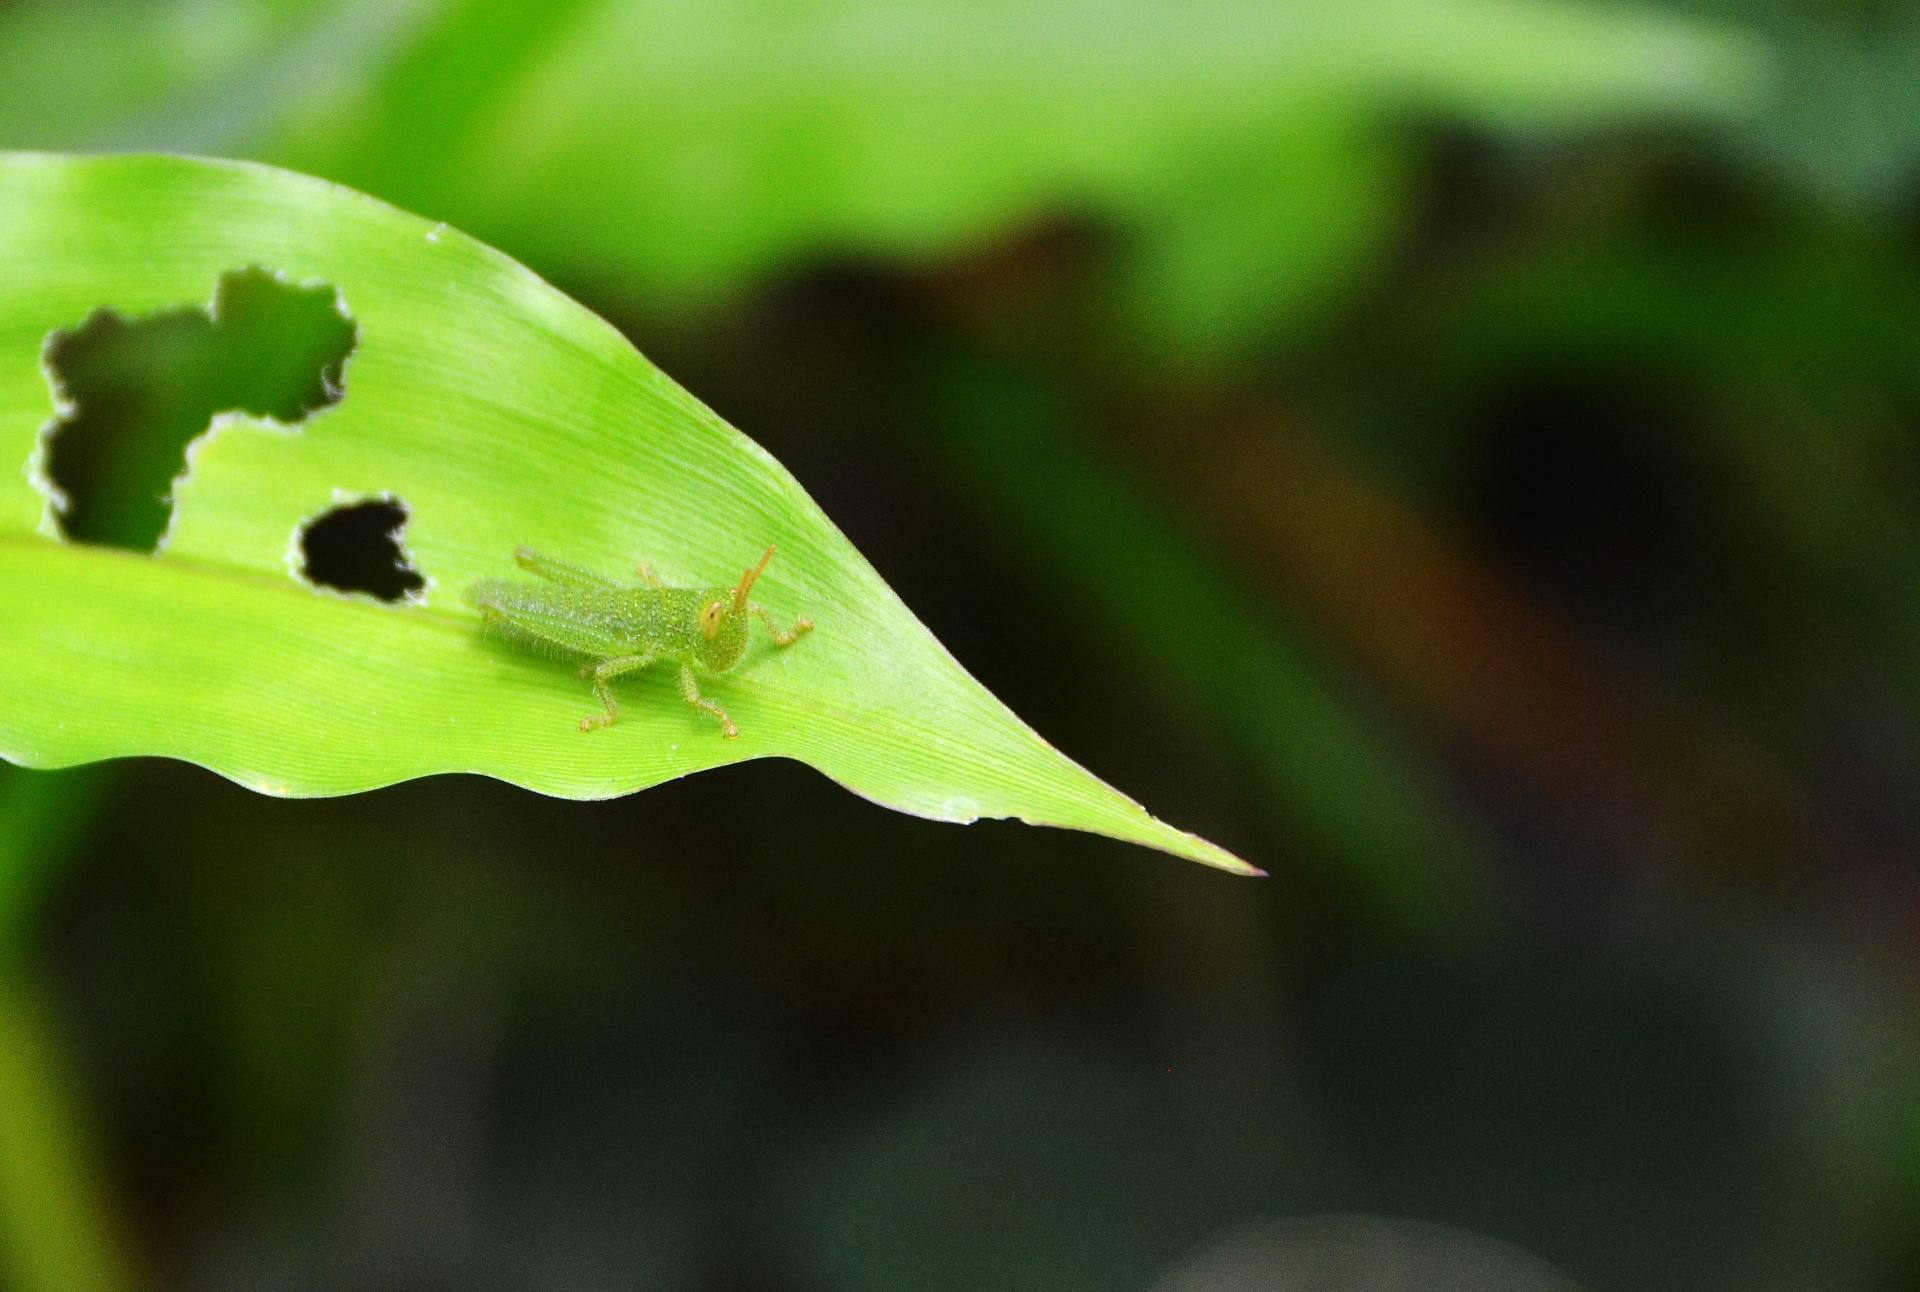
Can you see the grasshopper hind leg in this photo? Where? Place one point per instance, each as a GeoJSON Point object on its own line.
{"type": "Point", "coordinates": [567, 576]}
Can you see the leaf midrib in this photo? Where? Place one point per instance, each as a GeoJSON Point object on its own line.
{"type": "Point", "coordinates": [459, 623]}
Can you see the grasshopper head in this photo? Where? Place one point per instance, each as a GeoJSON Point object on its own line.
{"type": "Point", "coordinates": [720, 621]}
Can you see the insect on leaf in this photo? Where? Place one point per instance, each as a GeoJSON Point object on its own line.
{"type": "Point", "coordinates": [489, 412]}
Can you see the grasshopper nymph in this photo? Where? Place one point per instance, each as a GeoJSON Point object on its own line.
{"type": "Point", "coordinates": [621, 628]}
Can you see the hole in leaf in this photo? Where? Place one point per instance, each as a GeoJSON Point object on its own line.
{"type": "Point", "coordinates": [139, 390]}
{"type": "Point", "coordinates": [355, 547]}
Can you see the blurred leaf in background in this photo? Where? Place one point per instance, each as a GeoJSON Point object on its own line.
{"type": "Point", "coordinates": [1238, 143]}
{"type": "Point", "coordinates": [57, 1230]}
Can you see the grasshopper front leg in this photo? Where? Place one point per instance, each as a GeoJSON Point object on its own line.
{"type": "Point", "coordinates": [690, 691]}
{"type": "Point", "coordinates": [603, 673]}
{"type": "Point", "coordinates": [787, 638]}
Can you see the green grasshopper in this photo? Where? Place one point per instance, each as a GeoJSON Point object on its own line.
{"type": "Point", "coordinates": [622, 629]}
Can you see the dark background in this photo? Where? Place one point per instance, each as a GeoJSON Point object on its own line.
{"type": "Point", "coordinates": [1460, 456]}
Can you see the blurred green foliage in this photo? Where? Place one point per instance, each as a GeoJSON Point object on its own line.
{"type": "Point", "coordinates": [55, 1221]}
{"type": "Point", "coordinates": [1473, 441]}
{"type": "Point", "coordinates": [1245, 147]}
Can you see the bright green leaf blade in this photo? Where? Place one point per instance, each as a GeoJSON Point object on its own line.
{"type": "Point", "coordinates": [499, 413]}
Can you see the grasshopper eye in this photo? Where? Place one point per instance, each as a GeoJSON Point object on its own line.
{"type": "Point", "coordinates": [710, 617]}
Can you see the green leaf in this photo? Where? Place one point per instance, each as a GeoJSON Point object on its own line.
{"type": "Point", "coordinates": [57, 1231]}
{"type": "Point", "coordinates": [38, 817]}
{"type": "Point", "coordinates": [56, 1224]}
{"type": "Point", "coordinates": [1249, 153]}
{"type": "Point", "coordinates": [498, 413]}
{"type": "Point", "coordinates": [1245, 148]}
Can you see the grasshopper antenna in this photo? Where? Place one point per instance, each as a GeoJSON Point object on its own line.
{"type": "Point", "coordinates": [746, 580]}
